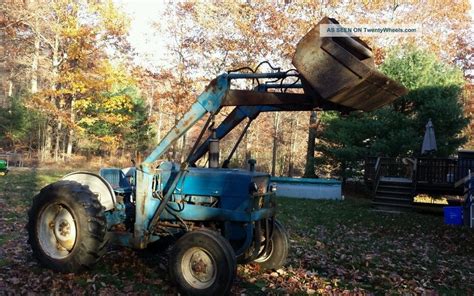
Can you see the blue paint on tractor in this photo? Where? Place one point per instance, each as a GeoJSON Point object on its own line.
{"type": "Point", "coordinates": [117, 216]}
{"type": "Point", "coordinates": [209, 101]}
{"type": "Point", "coordinates": [230, 186]}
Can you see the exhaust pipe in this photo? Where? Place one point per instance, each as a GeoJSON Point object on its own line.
{"type": "Point", "coordinates": [214, 155]}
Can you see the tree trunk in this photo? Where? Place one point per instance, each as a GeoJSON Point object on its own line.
{"type": "Point", "coordinates": [309, 170]}
{"type": "Point", "coordinates": [248, 149]}
{"type": "Point", "coordinates": [174, 148]}
{"type": "Point", "coordinates": [65, 136]}
{"type": "Point", "coordinates": [35, 61]}
{"type": "Point", "coordinates": [45, 140]}
{"type": "Point", "coordinates": [293, 125]}
{"type": "Point", "coordinates": [70, 138]}
{"type": "Point", "coordinates": [151, 101]}
{"type": "Point", "coordinates": [276, 127]}
{"type": "Point", "coordinates": [40, 141]}
{"type": "Point", "coordinates": [58, 141]}
{"type": "Point", "coordinates": [54, 72]}
{"type": "Point", "coordinates": [10, 88]}
{"type": "Point", "coordinates": [160, 121]}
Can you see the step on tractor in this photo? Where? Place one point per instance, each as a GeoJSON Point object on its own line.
{"type": "Point", "coordinates": [219, 216]}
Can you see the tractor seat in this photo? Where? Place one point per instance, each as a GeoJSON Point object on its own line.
{"type": "Point", "coordinates": [116, 179]}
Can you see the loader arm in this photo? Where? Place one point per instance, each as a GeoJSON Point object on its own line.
{"type": "Point", "coordinates": [250, 103]}
{"type": "Point", "coordinates": [208, 102]}
{"type": "Point", "coordinates": [331, 74]}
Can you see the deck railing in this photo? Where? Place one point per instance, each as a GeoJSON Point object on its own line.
{"type": "Point", "coordinates": [376, 167]}
{"type": "Point", "coordinates": [428, 173]}
{"type": "Point", "coordinates": [388, 167]}
{"type": "Point", "coordinates": [436, 170]}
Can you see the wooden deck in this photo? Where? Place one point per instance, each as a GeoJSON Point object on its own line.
{"type": "Point", "coordinates": [429, 175]}
{"type": "Point", "coordinates": [396, 179]}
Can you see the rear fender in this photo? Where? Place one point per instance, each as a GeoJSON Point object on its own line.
{"type": "Point", "coordinates": [96, 184]}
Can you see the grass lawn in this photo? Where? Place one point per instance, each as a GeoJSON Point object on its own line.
{"type": "Point", "coordinates": [337, 247]}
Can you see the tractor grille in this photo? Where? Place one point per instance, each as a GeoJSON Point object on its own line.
{"type": "Point", "coordinates": [262, 184]}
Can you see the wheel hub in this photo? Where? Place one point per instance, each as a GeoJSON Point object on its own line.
{"type": "Point", "coordinates": [57, 231]}
{"type": "Point", "coordinates": [64, 228]}
{"type": "Point", "coordinates": [198, 268]}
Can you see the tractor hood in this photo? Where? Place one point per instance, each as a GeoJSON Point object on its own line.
{"type": "Point", "coordinates": [230, 185]}
{"type": "Point", "coordinates": [342, 70]}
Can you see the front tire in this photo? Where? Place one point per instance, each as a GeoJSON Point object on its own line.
{"type": "Point", "coordinates": [275, 256]}
{"type": "Point", "coordinates": [202, 262]}
{"type": "Point", "coordinates": [67, 227]}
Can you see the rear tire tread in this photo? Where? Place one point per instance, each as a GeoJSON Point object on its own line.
{"type": "Point", "coordinates": [90, 219]}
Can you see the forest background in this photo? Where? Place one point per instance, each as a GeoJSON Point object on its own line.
{"type": "Point", "coordinates": [74, 83]}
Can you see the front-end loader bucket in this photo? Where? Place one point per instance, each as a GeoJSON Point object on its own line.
{"type": "Point", "coordinates": [342, 70]}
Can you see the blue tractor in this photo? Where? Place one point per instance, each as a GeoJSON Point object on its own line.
{"type": "Point", "coordinates": [220, 216]}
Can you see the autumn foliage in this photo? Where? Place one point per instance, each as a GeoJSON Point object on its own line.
{"type": "Point", "coordinates": [77, 86]}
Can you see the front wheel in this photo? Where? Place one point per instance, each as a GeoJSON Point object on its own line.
{"type": "Point", "coordinates": [275, 256]}
{"type": "Point", "coordinates": [202, 262]}
{"type": "Point", "coordinates": [66, 227]}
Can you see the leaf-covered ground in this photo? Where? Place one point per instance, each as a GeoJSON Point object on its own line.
{"type": "Point", "coordinates": [337, 247]}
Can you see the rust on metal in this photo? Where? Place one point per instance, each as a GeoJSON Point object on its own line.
{"type": "Point", "coordinates": [236, 97]}
{"type": "Point", "coordinates": [186, 123]}
{"type": "Point", "coordinates": [282, 101]}
{"type": "Point", "coordinates": [211, 86]}
{"type": "Point", "coordinates": [342, 70]}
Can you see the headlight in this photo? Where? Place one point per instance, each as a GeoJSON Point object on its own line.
{"type": "Point", "coordinates": [272, 187]}
{"type": "Point", "coordinates": [253, 188]}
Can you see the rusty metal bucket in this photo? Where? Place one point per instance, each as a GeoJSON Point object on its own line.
{"type": "Point", "coordinates": [342, 70]}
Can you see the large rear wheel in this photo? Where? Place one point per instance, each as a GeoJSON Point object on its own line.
{"type": "Point", "coordinates": [202, 262]}
{"type": "Point", "coordinates": [67, 227]}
